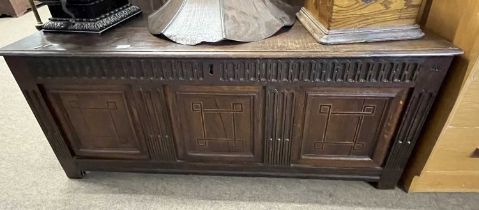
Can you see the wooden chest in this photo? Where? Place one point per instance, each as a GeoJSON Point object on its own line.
{"type": "Point", "coordinates": [285, 106]}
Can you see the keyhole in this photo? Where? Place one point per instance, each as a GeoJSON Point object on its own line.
{"type": "Point", "coordinates": [211, 72]}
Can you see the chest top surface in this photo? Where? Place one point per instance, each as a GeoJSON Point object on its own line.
{"type": "Point", "coordinates": [132, 39]}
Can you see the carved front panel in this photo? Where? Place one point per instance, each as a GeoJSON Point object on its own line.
{"type": "Point", "coordinates": [155, 122]}
{"type": "Point", "coordinates": [279, 116]}
{"type": "Point", "coordinates": [98, 122]}
{"type": "Point", "coordinates": [372, 70]}
{"type": "Point", "coordinates": [346, 125]}
{"type": "Point", "coordinates": [219, 123]}
{"type": "Point", "coordinates": [342, 126]}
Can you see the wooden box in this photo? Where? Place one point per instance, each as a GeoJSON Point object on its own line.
{"type": "Point", "coordinates": [351, 21]}
{"type": "Point", "coordinates": [13, 8]}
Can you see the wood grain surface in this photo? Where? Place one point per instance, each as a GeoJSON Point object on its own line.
{"type": "Point", "coordinates": [347, 14]}
{"type": "Point", "coordinates": [217, 110]}
{"type": "Point", "coordinates": [356, 35]}
{"type": "Point", "coordinates": [133, 38]}
{"type": "Point", "coordinates": [230, 108]}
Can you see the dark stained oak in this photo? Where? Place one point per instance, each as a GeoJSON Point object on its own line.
{"type": "Point", "coordinates": [218, 123]}
{"type": "Point", "coordinates": [285, 106]}
{"type": "Point", "coordinates": [98, 121]}
{"type": "Point", "coordinates": [475, 154]}
{"type": "Point", "coordinates": [347, 127]}
{"type": "Point", "coordinates": [133, 39]}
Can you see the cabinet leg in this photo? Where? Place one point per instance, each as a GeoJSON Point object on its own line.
{"type": "Point", "coordinates": [389, 179]}
{"type": "Point", "coordinates": [77, 174]}
{"type": "Point", "coordinates": [385, 185]}
{"type": "Point", "coordinates": [71, 169]}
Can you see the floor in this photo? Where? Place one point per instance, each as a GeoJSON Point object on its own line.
{"type": "Point", "coordinates": [31, 178]}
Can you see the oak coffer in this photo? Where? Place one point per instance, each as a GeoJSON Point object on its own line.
{"type": "Point", "coordinates": [285, 106]}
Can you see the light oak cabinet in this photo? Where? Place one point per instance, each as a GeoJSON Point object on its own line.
{"type": "Point", "coordinates": [446, 159]}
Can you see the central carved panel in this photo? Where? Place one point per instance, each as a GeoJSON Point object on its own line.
{"type": "Point", "coordinates": [220, 137]}
{"type": "Point", "coordinates": [219, 122]}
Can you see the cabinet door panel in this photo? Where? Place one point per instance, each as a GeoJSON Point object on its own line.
{"type": "Point", "coordinates": [97, 121]}
{"type": "Point", "coordinates": [218, 123]}
{"type": "Point", "coordinates": [347, 127]}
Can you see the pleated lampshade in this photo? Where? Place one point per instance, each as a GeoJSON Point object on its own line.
{"type": "Point", "coordinates": [194, 21]}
